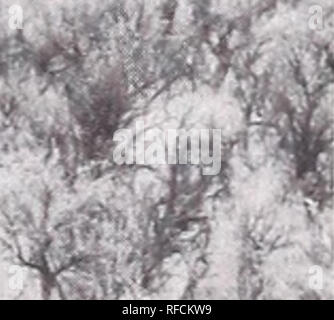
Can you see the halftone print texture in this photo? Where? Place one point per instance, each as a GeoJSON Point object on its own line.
{"type": "Point", "coordinates": [79, 220]}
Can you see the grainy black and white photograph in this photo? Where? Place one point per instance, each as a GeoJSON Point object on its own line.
{"type": "Point", "coordinates": [166, 150]}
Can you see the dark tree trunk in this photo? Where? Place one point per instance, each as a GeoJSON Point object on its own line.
{"type": "Point", "coordinates": [47, 284]}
